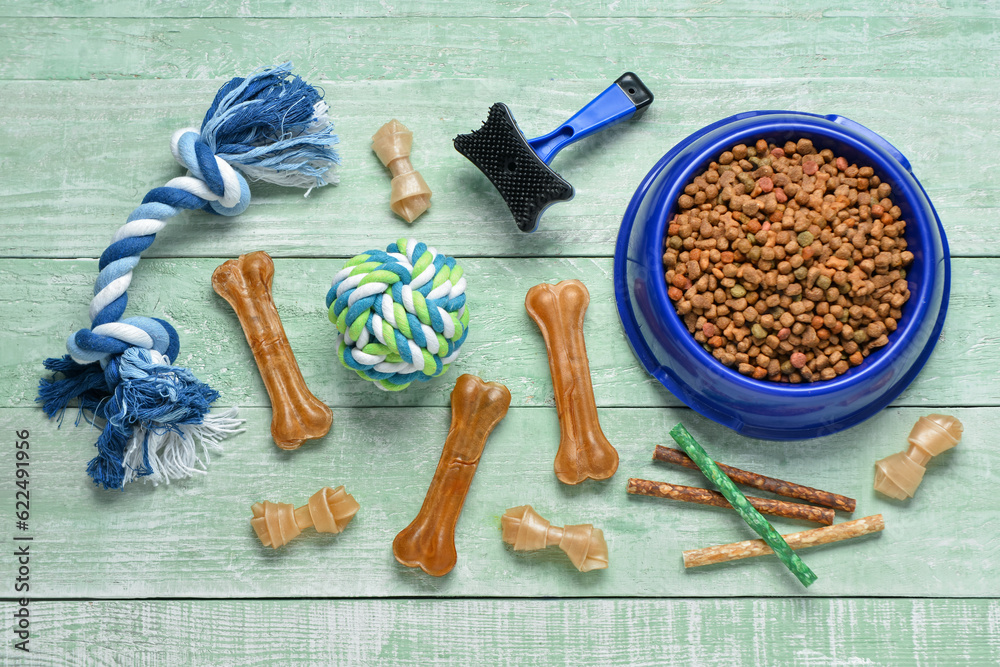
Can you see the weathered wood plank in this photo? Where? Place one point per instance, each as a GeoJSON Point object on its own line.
{"type": "Point", "coordinates": [513, 49]}
{"type": "Point", "coordinates": [495, 8]}
{"type": "Point", "coordinates": [538, 632]}
{"type": "Point", "coordinates": [51, 298]}
{"type": "Point", "coordinates": [78, 185]}
{"type": "Point", "coordinates": [193, 539]}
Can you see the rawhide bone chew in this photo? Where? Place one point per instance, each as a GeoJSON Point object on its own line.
{"type": "Point", "coordinates": [899, 475]}
{"type": "Point", "coordinates": [752, 479]}
{"type": "Point", "coordinates": [693, 494]}
{"type": "Point", "coordinates": [739, 502]}
{"type": "Point", "coordinates": [269, 125]}
{"type": "Point", "coordinates": [807, 538]}
{"type": "Point", "coordinates": [409, 196]}
{"type": "Point", "coordinates": [297, 415]}
{"type": "Point", "coordinates": [584, 451]}
{"type": "Point", "coordinates": [429, 541]}
{"type": "Point", "coordinates": [525, 530]}
{"type": "Point", "coordinates": [328, 511]}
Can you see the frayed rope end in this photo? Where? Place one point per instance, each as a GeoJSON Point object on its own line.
{"type": "Point", "coordinates": [166, 455]}
{"type": "Point", "coordinates": [274, 127]}
{"type": "Point", "coordinates": [158, 425]}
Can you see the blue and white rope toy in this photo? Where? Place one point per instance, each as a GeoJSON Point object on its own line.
{"type": "Point", "coordinates": [271, 126]}
{"type": "Point", "coordinates": [401, 313]}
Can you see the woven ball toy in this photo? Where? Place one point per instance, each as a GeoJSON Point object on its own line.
{"type": "Point", "coordinates": [401, 313]}
{"type": "Point", "coordinates": [157, 425]}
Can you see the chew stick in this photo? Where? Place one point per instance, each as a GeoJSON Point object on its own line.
{"type": "Point", "coordinates": [807, 538]}
{"type": "Point", "coordinates": [752, 479]}
{"type": "Point", "coordinates": [693, 494]}
{"type": "Point", "coordinates": [744, 508]}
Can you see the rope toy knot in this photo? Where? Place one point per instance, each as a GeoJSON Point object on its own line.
{"type": "Point", "coordinates": [271, 126]}
{"type": "Point", "coordinates": [401, 313]}
{"type": "Point", "coordinates": [211, 178]}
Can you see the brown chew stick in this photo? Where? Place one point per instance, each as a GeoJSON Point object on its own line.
{"type": "Point", "coordinates": [584, 451]}
{"type": "Point", "coordinates": [297, 415]}
{"type": "Point", "coordinates": [752, 479]}
{"type": "Point", "coordinates": [525, 530]}
{"type": "Point", "coordinates": [429, 541]}
{"type": "Point", "coordinates": [807, 538]}
{"type": "Point", "coordinates": [409, 196]}
{"type": "Point", "coordinates": [329, 511]}
{"type": "Point", "coordinates": [692, 494]}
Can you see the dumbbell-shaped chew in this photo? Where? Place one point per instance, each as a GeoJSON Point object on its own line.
{"type": "Point", "coordinates": [328, 511]}
{"type": "Point", "coordinates": [899, 475]}
{"type": "Point", "coordinates": [410, 196]}
{"type": "Point", "coordinates": [429, 541]}
{"type": "Point", "coordinates": [297, 415]}
{"type": "Point", "coordinates": [525, 530]}
{"type": "Point", "coordinates": [584, 451]}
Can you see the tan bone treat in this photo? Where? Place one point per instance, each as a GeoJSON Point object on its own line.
{"type": "Point", "coordinates": [410, 196]}
{"type": "Point", "coordinates": [329, 511]}
{"type": "Point", "coordinates": [899, 475]}
{"type": "Point", "coordinates": [429, 541]}
{"type": "Point", "coordinates": [525, 530]}
{"type": "Point", "coordinates": [297, 415]}
{"type": "Point", "coordinates": [584, 451]}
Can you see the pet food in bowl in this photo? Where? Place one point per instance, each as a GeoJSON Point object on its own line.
{"type": "Point", "coordinates": [756, 407]}
{"type": "Point", "coordinates": [787, 263]}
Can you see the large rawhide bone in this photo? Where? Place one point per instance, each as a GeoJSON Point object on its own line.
{"type": "Point", "coordinates": [328, 511]}
{"type": "Point", "coordinates": [429, 541]}
{"type": "Point", "coordinates": [584, 451]}
{"type": "Point", "coordinates": [297, 415]}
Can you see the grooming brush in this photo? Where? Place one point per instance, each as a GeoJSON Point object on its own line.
{"type": "Point", "coordinates": [519, 168]}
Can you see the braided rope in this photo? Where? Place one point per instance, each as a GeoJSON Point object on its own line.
{"type": "Point", "coordinates": [272, 126]}
{"type": "Point", "coordinates": [401, 313]}
{"type": "Point", "coordinates": [212, 185]}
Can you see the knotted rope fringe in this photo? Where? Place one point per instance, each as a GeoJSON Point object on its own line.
{"type": "Point", "coordinates": [271, 126]}
{"type": "Point", "coordinates": [401, 313]}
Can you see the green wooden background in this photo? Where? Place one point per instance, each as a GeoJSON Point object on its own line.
{"type": "Point", "coordinates": [89, 95]}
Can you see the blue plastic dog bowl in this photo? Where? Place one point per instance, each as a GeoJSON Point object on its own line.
{"type": "Point", "coordinates": [776, 411]}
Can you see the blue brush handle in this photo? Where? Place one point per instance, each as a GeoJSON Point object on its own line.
{"type": "Point", "coordinates": [626, 98]}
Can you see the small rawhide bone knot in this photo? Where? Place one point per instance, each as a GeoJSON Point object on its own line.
{"type": "Point", "coordinates": [525, 530]}
{"type": "Point", "coordinates": [328, 511]}
{"type": "Point", "coordinates": [429, 541]}
{"type": "Point", "coordinates": [297, 415]}
{"type": "Point", "coordinates": [584, 451]}
{"type": "Point", "coordinates": [410, 195]}
{"type": "Point", "coordinates": [899, 475]}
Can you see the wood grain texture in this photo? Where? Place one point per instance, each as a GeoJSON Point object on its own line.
{"type": "Point", "coordinates": [429, 48]}
{"type": "Point", "coordinates": [503, 344]}
{"type": "Point", "coordinates": [589, 633]}
{"type": "Point", "coordinates": [495, 8]}
{"type": "Point", "coordinates": [92, 91]}
{"type": "Point", "coordinates": [193, 539]}
{"type": "Point", "coordinates": [71, 173]}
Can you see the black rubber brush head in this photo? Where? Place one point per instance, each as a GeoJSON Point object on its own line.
{"type": "Point", "coordinates": [501, 152]}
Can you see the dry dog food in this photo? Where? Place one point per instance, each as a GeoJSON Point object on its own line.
{"type": "Point", "coordinates": [787, 263]}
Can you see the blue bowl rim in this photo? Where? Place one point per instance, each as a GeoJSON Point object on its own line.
{"type": "Point", "coordinates": [887, 160]}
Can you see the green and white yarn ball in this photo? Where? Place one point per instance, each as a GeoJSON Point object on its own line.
{"type": "Point", "coordinates": [400, 312]}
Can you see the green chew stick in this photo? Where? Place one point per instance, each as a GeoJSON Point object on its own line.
{"type": "Point", "coordinates": [742, 506]}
